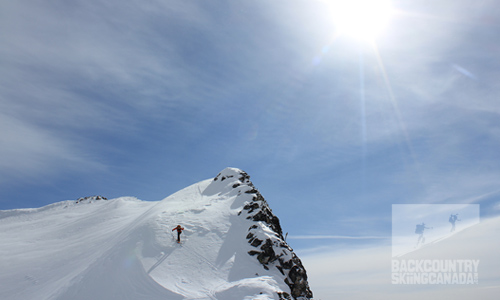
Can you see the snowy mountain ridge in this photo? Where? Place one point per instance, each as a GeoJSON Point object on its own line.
{"type": "Point", "coordinates": [232, 247]}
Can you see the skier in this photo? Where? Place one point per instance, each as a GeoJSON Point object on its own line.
{"type": "Point", "coordinates": [420, 231]}
{"type": "Point", "coordinates": [179, 229]}
{"type": "Point", "coordinates": [452, 220]}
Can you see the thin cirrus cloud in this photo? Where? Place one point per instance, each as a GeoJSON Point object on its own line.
{"type": "Point", "coordinates": [71, 74]}
{"type": "Point", "coordinates": [335, 237]}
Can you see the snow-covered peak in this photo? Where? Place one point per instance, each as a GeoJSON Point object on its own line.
{"type": "Point", "coordinates": [227, 180]}
{"type": "Point", "coordinates": [230, 173]}
{"type": "Point", "coordinates": [231, 248]}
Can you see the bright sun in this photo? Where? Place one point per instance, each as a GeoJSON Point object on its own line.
{"type": "Point", "coordinates": [361, 19]}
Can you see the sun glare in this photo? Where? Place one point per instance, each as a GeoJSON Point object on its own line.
{"type": "Point", "coordinates": [361, 19]}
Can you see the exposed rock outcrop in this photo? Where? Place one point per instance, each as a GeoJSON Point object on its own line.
{"type": "Point", "coordinates": [266, 236]}
{"type": "Point", "coordinates": [90, 199]}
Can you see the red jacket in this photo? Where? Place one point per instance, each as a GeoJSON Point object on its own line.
{"type": "Point", "coordinates": [179, 229]}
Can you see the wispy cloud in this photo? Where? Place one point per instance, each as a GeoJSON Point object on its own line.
{"type": "Point", "coordinates": [29, 151]}
{"type": "Point", "coordinates": [75, 74]}
{"type": "Point", "coordinates": [335, 237]}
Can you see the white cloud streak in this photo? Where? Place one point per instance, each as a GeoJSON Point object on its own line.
{"type": "Point", "coordinates": [335, 237]}
{"type": "Point", "coordinates": [72, 72]}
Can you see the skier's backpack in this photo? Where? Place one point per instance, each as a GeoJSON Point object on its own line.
{"type": "Point", "coordinates": [419, 229]}
{"type": "Point", "coordinates": [451, 219]}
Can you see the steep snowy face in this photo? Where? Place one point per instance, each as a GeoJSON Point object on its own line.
{"type": "Point", "coordinates": [265, 234]}
{"type": "Point", "coordinates": [232, 248]}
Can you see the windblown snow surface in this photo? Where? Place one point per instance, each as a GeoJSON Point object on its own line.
{"type": "Point", "coordinates": [124, 248]}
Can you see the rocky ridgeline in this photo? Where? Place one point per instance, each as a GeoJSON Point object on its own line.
{"type": "Point", "coordinates": [266, 236]}
{"type": "Point", "coordinates": [90, 199]}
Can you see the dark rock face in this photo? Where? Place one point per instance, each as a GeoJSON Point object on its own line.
{"type": "Point", "coordinates": [90, 199]}
{"type": "Point", "coordinates": [271, 250]}
{"type": "Point", "coordinates": [274, 251]}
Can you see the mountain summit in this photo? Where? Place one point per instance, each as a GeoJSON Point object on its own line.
{"type": "Point", "coordinates": [232, 247]}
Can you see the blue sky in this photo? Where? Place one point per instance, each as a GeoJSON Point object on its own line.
{"type": "Point", "coordinates": [142, 99]}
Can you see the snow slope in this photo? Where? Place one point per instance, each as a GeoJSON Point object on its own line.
{"type": "Point", "coordinates": [125, 249]}
{"type": "Point", "coordinates": [365, 272]}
